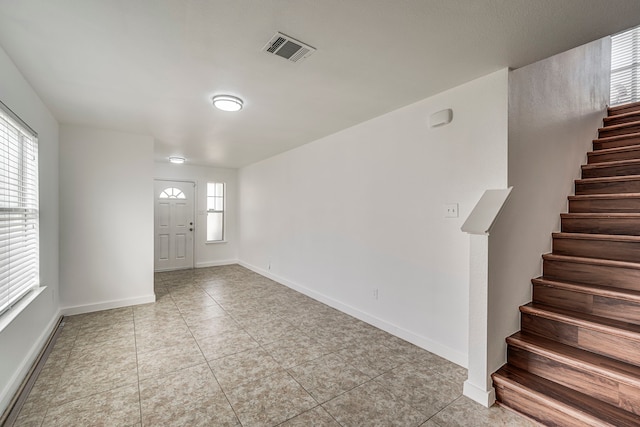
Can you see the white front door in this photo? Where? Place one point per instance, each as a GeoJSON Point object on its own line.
{"type": "Point", "coordinates": [174, 225]}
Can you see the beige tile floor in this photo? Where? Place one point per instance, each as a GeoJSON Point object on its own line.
{"type": "Point", "coordinates": [224, 346]}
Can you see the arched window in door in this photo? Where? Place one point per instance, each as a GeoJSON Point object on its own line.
{"type": "Point", "coordinates": [172, 193]}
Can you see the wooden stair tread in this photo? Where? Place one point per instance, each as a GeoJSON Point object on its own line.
{"type": "Point", "coordinates": [586, 409]}
{"type": "Point", "coordinates": [619, 215]}
{"type": "Point", "coordinates": [608, 164]}
{"type": "Point", "coordinates": [612, 111]}
{"type": "Point", "coordinates": [600, 237]}
{"type": "Point", "coordinates": [609, 196]}
{"type": "Point", "coordinates": [620, 126]}
{"type": "Point", "coordinates": [622, 115]}
{"type": "Point", "coordinates": [612, 327]}
{"type": "Point", "coordinates": [596, 290]}
{"type": "Point", "coordinates": [591, 261]}
{"type": "Point", "coordinates": [614, 150]}
{"type": "Point", "coordinates": [577, 358]}
{"type": "Point", "coordinates": [608, 179]}
{"type": "Point", "coordinates": [616, 137]}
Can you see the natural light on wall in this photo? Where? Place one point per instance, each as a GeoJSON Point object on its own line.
{"type": "Point", "coordinates": [625, 70]}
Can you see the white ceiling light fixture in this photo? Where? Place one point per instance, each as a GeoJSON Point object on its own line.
{"type": "Point", "coordinates": [177, 160]}
{"type": "Point", "coordinates": [227, 103]}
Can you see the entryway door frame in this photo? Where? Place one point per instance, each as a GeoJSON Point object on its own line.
{"type": "Point", "coordinates": [187, 220]}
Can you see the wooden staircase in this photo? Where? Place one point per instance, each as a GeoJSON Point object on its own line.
{"type": "Point", "coordinates": [576, 360]}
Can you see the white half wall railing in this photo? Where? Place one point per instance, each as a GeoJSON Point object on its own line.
{"type": "Point", "coordinates": [478, 385]}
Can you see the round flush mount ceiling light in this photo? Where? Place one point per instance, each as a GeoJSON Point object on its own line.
{"type": "Point", "coordinates": [227, 103]}
{"type": "Point", "coordinates": [177, 160]}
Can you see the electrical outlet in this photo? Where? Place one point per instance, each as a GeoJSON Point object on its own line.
{"type": "Point", "coordinates": [451, 210]}
{"type": "Point", "coordinates": [375, 293]}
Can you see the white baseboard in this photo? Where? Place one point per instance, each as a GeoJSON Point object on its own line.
{"type": "Point", "coordinates": [422, 342]}
{"type": "Point", "coordinates": [12, 386]}
{"type": "Point", "coordinates": [216, 263]}
{"type": "Point", "coordinates": [483, 397]}
{"type": "Point", "coordinates": [106, 305]}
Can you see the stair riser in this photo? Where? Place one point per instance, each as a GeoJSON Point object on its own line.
{"type": "Point", "coordinates": [609, 345]}
{"type": "Point", "coordinates": [617, 226]}
{"type": "Point", "coordinates": [617, 170]}
{"type": "Point", "coordinates": [537, 410]}
{"type": "Point", "coordinates": [621, 205]}
{"type": "Point", "coordinates": [595, 385]}
{"type": "Point", "coordinates": [601, 249]}
{"type": "Point", "coordinates": [613, 111]}
{"type": "Point", "coordinates": [566, 271]}
{"type": "Point", "coordinates": [595, 157]}
{"type": "Point", "coordinates": [611, 308]}
{"type": "Point", "coordinates": [606, 132]}
{"type": "Point", "coordinates": [616, 143]}
{"type": "Point", "coordinates": [624, 187]}
{"type": "Point", "coordinates": [617, 120]}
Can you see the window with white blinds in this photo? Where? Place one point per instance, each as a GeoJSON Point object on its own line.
{"type": "Point", "coordinates": [625, 67]}
{"type": "Point", "coordinates": [19, 248]}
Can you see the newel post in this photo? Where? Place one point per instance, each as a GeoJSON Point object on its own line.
{"type": "Point", "coordinates": [478, 225]}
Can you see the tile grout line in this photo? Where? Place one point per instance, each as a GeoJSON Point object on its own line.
{"type": "Point", "coordinates": [135, 341]}
{"type": "Point", "coordinates": [207, 361]}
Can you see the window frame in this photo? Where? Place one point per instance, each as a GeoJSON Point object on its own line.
{"type": "Point", "coordinates": [21, 211]}
{"type": "Point", "coordinates": [222, 211]}
{"type": "Point", "coordinates": [625, 49]}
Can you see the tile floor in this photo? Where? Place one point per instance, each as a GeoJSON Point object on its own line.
{"type": "Point", "coordinates": [224, 346]}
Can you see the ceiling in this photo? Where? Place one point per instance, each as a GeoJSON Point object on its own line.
{"type": "Point", "coordinates": [152, 66]}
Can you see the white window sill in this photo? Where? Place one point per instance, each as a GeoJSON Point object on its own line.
{"type": "Point", "coordinates": [215, 242]}
{"type": "Point", "coordinates": [7, 317]}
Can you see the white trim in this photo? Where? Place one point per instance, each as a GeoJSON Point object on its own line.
{"type": "Point", "coordinates": [8, 316]}
{"type": "Point", "coordinates": [483, 397]}
{"type": "Point", "coordinates": [12, 386]}
{"type": "Point", "coordinates": [216, 263]}
{"type": "Point", "coordinates": [106, 305]}
{"type": "Point", "coordinates": [422, 342]}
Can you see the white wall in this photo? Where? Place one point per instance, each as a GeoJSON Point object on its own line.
{"type": "Point", "coordinates": [363, 209]}
{"type": "Point", "coordinates": [106, 219]}
{"type": "Point", "coordinates": [208, 254]}
{"type": "Point", "coordinates": [555, 108]}
{"type": "Point", "coordinates": [21, 340]}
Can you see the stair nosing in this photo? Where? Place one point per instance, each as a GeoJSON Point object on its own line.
{"type": "Point", "coordinates": [613, 163]}
{"type": "Point", "coordinates": [616, 137]}
{"type": "Point", "coordinates": [589, 289]}
{"type": "Point", "coordinates": [614, 150]}
{"type": "Point", "coordinates": [621, 115]}
{"type": "Point", "coordinates": [599, 237]}
{"type": "Point", "coordinates": [621, 107]}
{"type": "Point", "coordinates": [605, 196]}
{"type": "Point", "coordinates": [600, 214]}
{"type": "Point", "coordinates": [592, 261]}
{"type": "Point", "coordinates": [576, 412]}
{"type": "Point", "coordinates": [590, 366]}
{"type": "Point", "coordinates": [583, 320]}
{"type": "Point", "coordinates": [619, 126]}
{"type": "Point", "coordinates": [608, 179]}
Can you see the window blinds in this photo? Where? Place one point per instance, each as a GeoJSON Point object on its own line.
{"type": "Point", "coordinates": [19, 235]}
{"type": "Point", "coordinates": [625, 67]}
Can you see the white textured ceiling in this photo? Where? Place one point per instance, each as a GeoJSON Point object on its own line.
{"type": "Point", "coordinates": [151, 66]}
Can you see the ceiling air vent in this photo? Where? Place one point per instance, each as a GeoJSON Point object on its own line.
{"type": "Point", "coordinates": [288, 48]}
